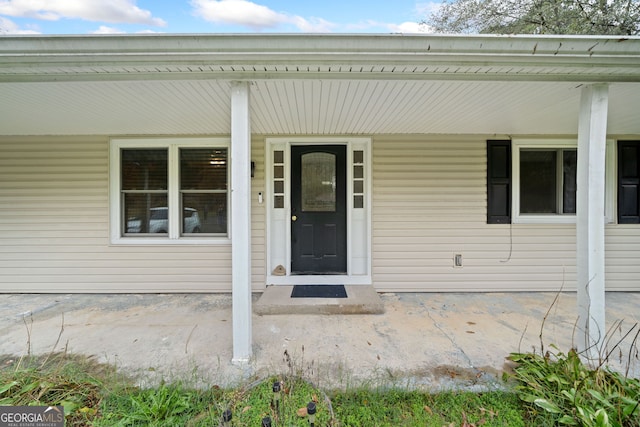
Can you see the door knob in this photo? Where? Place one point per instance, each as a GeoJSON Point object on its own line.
{"type": "Point", "coordinates": [294, 218]}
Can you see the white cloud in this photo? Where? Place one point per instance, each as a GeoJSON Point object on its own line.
{"type": "Point", "coordinates": [423, 10]}
{"type": "Point", "coordinates": [108, 30]}
{"type": "Point", "coordinates": [363, 25]}
{"type": "Point", "coordinates": [254, 16]}
{"type": "Point", "coordinates": [9, 27]}
{"type": "Point", "coordinates": [112, 30]}
{"type": "Point", "coordinates": [114, 11]}
{"type": "Point", "coordinates": [410, 27]}
{"type": "Point", "coordinates": [239, 12]}
{"type": "Point", "coordinates": [315, 25]}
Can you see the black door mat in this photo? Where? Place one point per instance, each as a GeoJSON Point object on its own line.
{"type": "Point", "coordinates": [319, 291]}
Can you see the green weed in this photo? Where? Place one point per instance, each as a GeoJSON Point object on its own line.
{"type": "Point", "coordinates": [559, 389]}
{"type": "Point", "coordinates": [165, 405]}
{"type": "Point", "coordinates": [73, 382]}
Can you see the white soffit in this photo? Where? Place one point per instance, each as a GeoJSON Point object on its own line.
{"type": "Point", "coordinates": [306, 107]}
{"type": "Point", "coordinates": [312, 84]}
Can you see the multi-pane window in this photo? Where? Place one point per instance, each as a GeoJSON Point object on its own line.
{"type": "Point", "coordinates": [169, 188]}
{"type": "Point", "coordinates": [358, 179]}
{"type": "Point", "coordinates": [278, 179]}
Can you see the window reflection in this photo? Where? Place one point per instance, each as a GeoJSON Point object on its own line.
{"type": "Point", "coordinates": [202, 191]}
{"type": "Point", "coordinates": [203, 184]}
{"type": "Point", "coordinates": [144, 188]}
{"type": "Point", "coordinates": [548, 181]}
{"type": "Point", "coordinates": [318, 182]}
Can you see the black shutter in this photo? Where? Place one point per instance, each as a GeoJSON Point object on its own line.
{"type": "Point", "coordinates": [628, 182]}
{"type": "Point", "coordinates": [498, 182]}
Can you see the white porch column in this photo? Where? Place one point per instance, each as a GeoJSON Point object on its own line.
{"type": "Point", "coordinates": [241, 221]}
{"type": "Point", "coordinates": [592, 135]}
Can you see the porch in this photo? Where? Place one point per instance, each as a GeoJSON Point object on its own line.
{"type": "Point", "coordinates": [432, 340]}
{"type": "Point", "coordinates": [88, 94]}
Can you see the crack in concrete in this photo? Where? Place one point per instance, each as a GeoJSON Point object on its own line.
{"type": "Point", "coordinates": [453, 341]}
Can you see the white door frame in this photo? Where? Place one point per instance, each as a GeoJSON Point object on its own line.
{"type": "Point", "coordinates": [278, 226]}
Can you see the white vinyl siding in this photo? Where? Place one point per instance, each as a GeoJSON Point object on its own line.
{"type": "Point", "coordinates": [429, 203]}
{"type": "Point", "coordinates": [622, 252]}
{"type": "Point", "coordinates": [258, 216]}
{"type": "Point", "coordinates": [54, 228]}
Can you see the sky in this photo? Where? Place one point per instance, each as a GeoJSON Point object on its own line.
{"type": "Point", "coordinates": [212, 16]}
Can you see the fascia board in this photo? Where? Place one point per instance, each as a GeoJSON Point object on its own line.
{"type": "Point", "coordinates": [570, 53]}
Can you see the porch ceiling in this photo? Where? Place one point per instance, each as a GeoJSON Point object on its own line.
{"type": "Point", "coordinates": [372, 84]}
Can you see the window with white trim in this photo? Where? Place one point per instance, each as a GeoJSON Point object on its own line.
{"type": "Point", "coordinates": [169, 190]}
{"type": "Point", "coordinates": [545, 184]}
{"type": "Point", "coordinates": [629, 182]}
{"type": "Point", "coordinates": [548, 181]}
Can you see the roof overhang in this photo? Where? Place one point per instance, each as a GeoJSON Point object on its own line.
{"type": "Point", "coordinates": [134, 83]}
{"type": "Point", "coordinates": [253, 56]}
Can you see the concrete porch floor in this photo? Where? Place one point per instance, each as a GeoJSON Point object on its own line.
{"type": "Point", "coordinates": [435, 340]}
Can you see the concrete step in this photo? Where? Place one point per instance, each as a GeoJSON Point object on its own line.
{"type": "Point", "coordinates": [360, 299]}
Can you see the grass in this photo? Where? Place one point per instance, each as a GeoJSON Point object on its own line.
{"type": "Point", "coordinates": [413, 408]}
{"type": "Point", "coordinates": [96, 395]}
